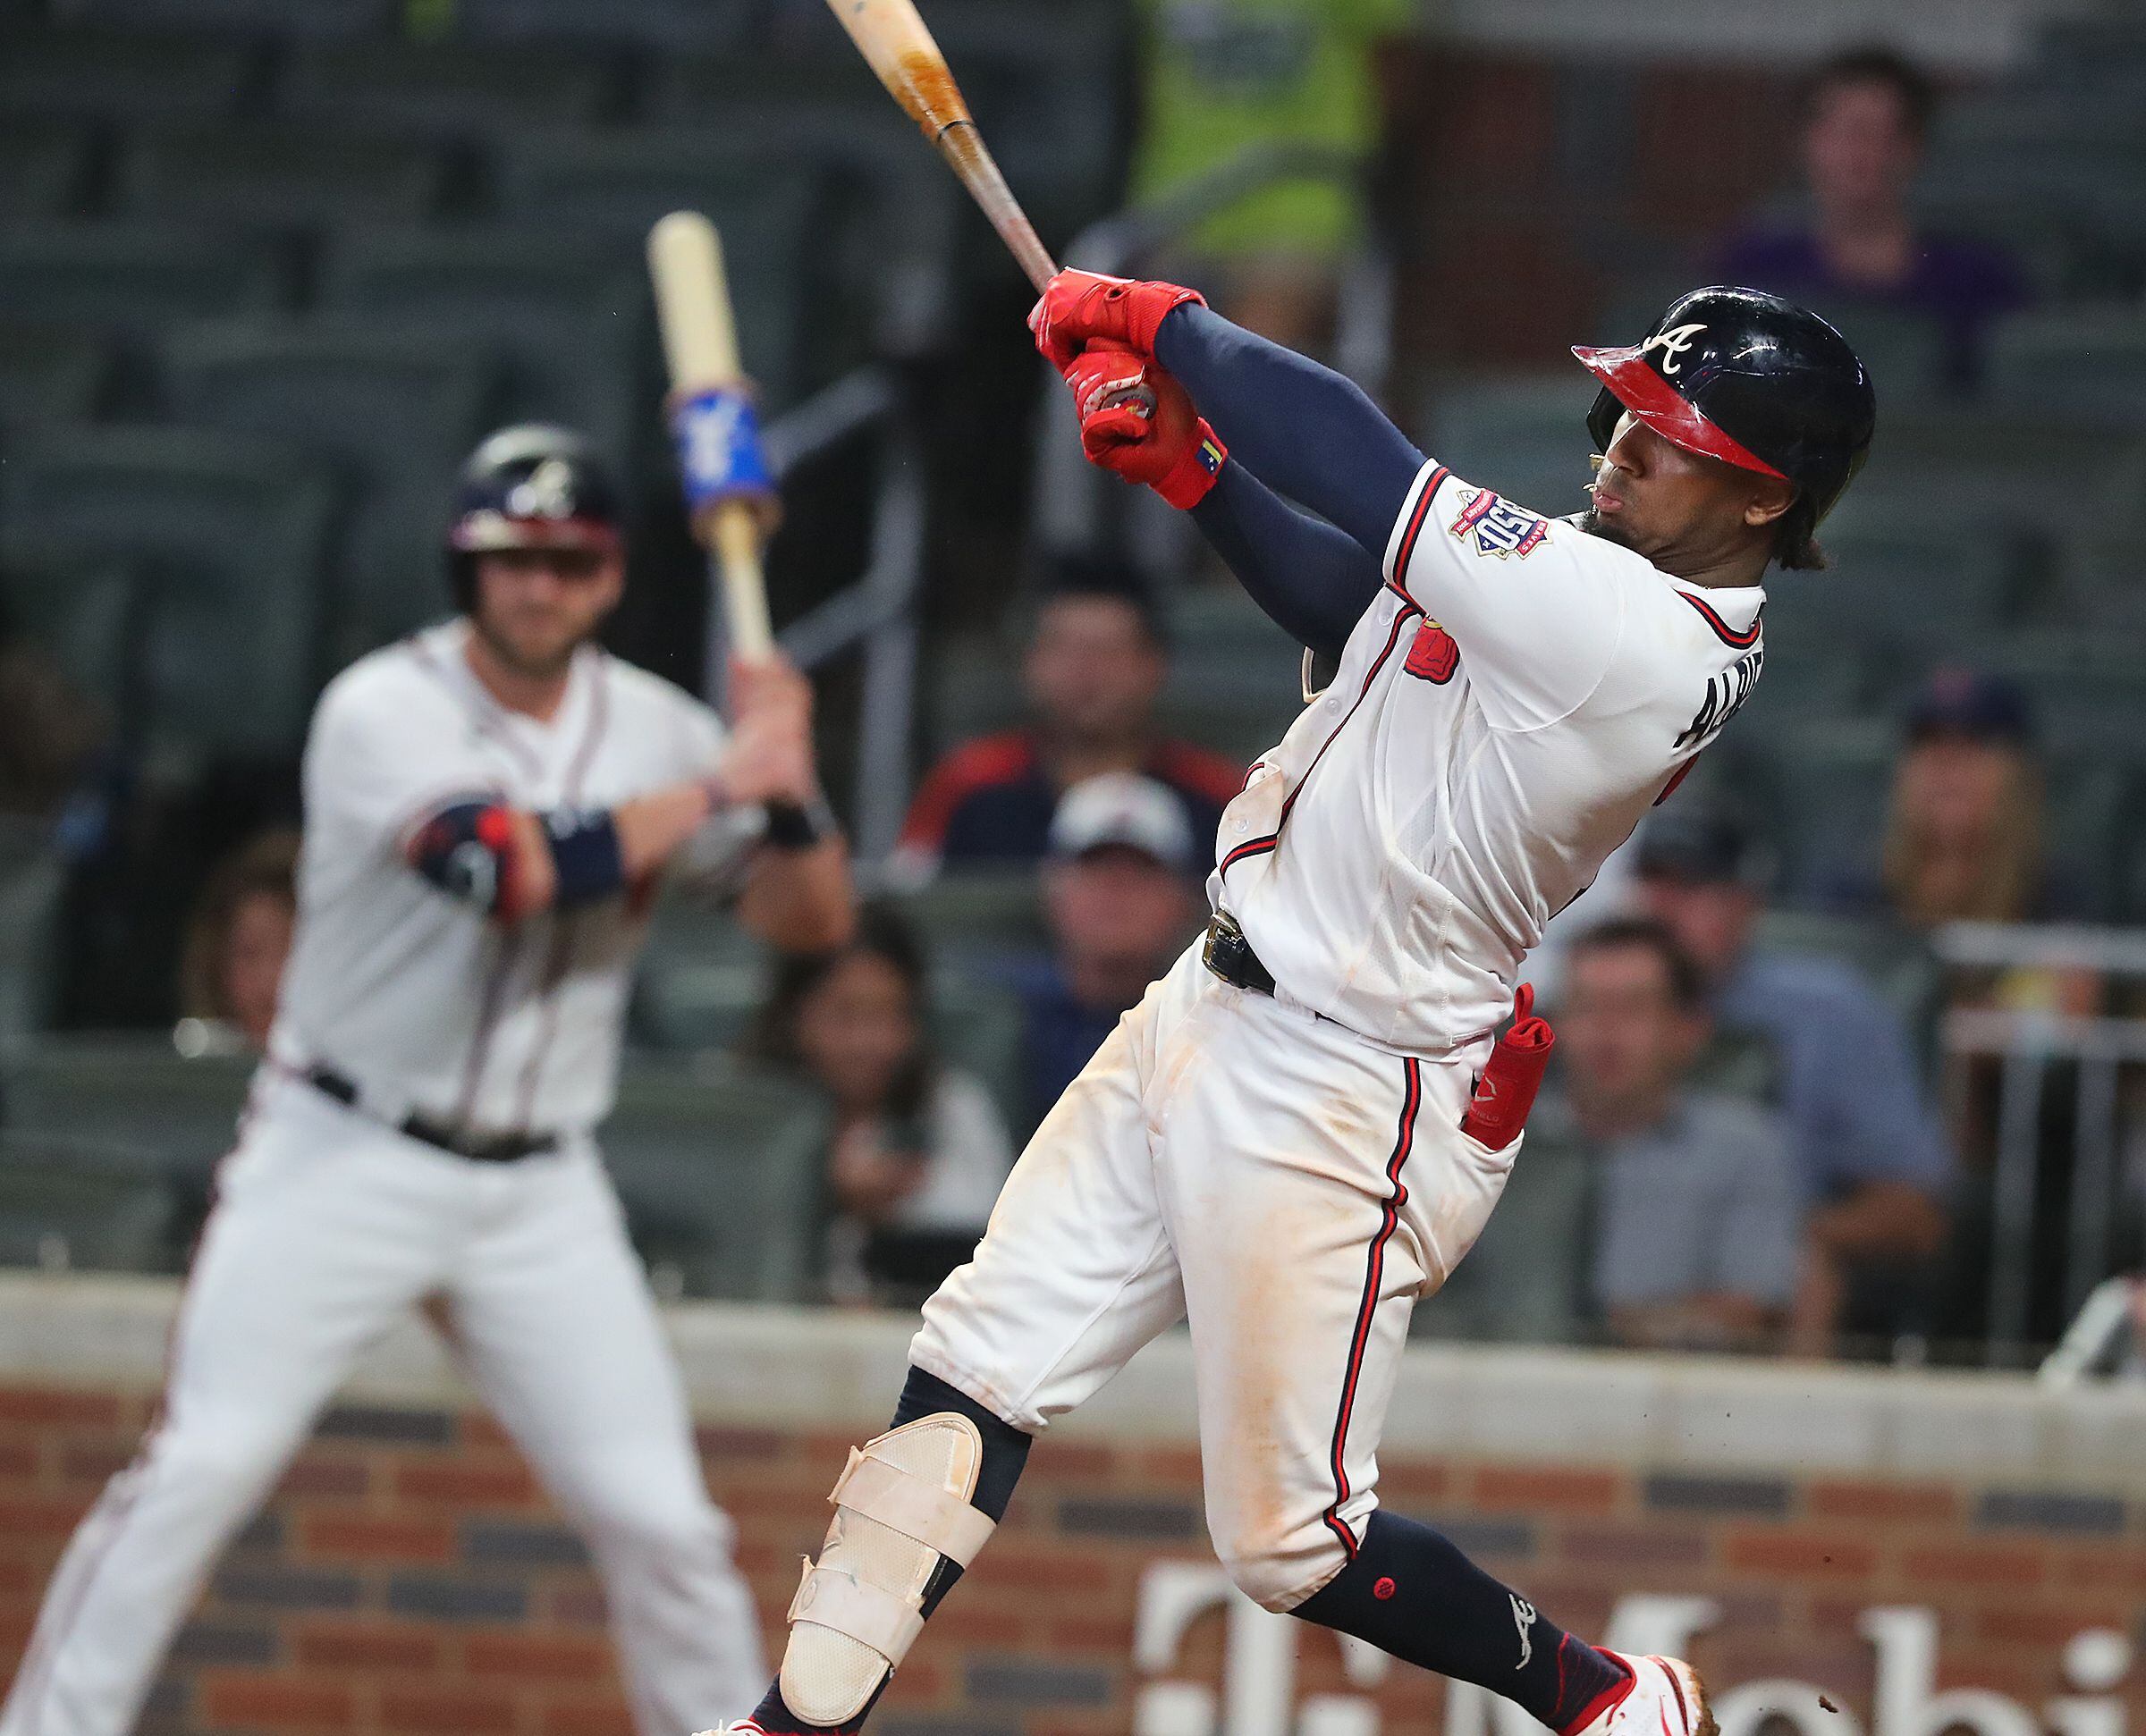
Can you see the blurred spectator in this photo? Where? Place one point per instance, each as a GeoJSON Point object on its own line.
{"type": "Point", "coordinates": [918, 1151]}
{"type": "Point", "coordinates": [49, 731]}
{"type": "Point", "coordinates": [1096, 663]}
{"type": "Point", "coordinates": [1121, 897]}
{"type": "Point", "coordinates": [231, 968]}
{"type": "Point", "coordinates": [1697, 1224]}
{"type": "Point", "coordinates": [1964, 835]}
{"type": "Point", "coordinates": [1639, 1209]}
{"type": "Point", "coordinates": [1225, 76]}
{"type": "Point", "coordinates": [1866, 117]}
{"type": "Point", "coordinates": [1873, 1161]}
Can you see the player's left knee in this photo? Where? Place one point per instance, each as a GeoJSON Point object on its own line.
{"type": "Point", "coordinates": [1277, 1567]}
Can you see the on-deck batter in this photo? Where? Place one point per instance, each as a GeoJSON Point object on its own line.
{"type": "Point", "coordinates": [1271, 1145]}
{"type": "Point", "coordinates": [488, 807]}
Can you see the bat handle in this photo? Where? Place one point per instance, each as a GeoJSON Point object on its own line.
{"type": "Point", "coordinates": [737, 540]}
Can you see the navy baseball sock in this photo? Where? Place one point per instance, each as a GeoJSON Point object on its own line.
{"type": "Point", "coordinates": [1411, 1593]}
{"type": "Point", "coordinates": [1005, 1452]}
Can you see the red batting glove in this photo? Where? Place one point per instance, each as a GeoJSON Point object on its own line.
{"type": "Point", "coordinates": [1171, 450]}
{"type": "Point", "coordinates": [1079, 308]}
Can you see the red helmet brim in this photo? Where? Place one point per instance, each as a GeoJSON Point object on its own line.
{"type": "Point", "coordinates": [1631, 379]}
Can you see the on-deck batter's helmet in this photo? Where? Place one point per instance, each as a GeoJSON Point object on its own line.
{"type": "Point", "coordinates": [530, 486]}
{"type": "Point", "coordinates": [1748, 378]}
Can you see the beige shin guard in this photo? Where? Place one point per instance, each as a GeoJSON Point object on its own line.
{"type": "Point", "coordinates": [901, 1505]}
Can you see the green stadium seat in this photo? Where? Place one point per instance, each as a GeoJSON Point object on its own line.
{"type": "Point", "coordinates": [304, 20]}
{"type": "Point", "coordinates": [1522, 434]}
{"type": "Point", "coordinates": [719, 1167]}
{"type": "Point", "coordinates": [278, 176]}
{"type": "Point", "coordinates": [562, 316]}
{"type": "Point", "coordinates": [79, 612]}
{"type": "Point", "coordinates": [392, 411]}
{"type": "Point", "coordinates": [768, 208]}
{"type": "Point", "coordinates": [131, 279]}
{"type": "Point", "coordinates": [975, 690]}
{"type": "Point", "coordinates": [666, 25]}
{"type": "Point", "coordinates": [969, 918]}
{"type": "Point", "coordinates": [31, 880]}
{"type": "Point", "coordinates": [2077, 362]}
{"type": "Point", "coordinates": [57, 1214]}
{"type": "Point", "coordinates": [44, 167]}
{"type": "Point", "coordinates": [234, 532]}
{"type": "Point", "coordinates": [125, 77]}
{"type": "Point", "coordinates": [1906, 353]}
{"type": "Point", "coordinates": [1826, 789]}
{"type": "Point", "coordinates": [2037, 476]}
{"type": "Point", "coordinates": [443, 90]}
{"type": "Point", "coordinates": [51, 374]}
{"type": "Point", "coordinates": [130, 1108]}
{"type": "Point", "coordinates": [1899, 579]}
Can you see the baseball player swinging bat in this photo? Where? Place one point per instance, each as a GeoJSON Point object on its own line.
{"type": "Point", "coordinates": [728, 489]}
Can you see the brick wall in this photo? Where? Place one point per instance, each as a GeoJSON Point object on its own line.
{"type": "Point", "coordinates": [409, 1577]}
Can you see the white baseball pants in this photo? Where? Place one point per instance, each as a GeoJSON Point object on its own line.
{"type": "Point", "coordinates": [329, 1228]}
{"type": "Point", "coordinates": [1233, 1160]}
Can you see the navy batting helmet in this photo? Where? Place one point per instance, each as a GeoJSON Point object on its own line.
{"type": "Point", "coordinates": [1750, 379]}
{"type": "Point", "coordinates": [530, 486]}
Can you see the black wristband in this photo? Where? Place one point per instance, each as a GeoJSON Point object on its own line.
{"type": "Point", "coordinates": [796, 826]}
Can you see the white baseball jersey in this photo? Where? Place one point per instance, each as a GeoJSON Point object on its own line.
{"type": "Point", "coordinates": [417, 997]}
{"type": "Point", "coordinates": [1505, 713]}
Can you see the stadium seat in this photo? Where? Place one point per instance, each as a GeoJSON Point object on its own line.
{"type": "Point", "coordinates": [305, 18]}
{"type": "Point", "coordinates": [444, 90]}
{"type": "Point", "coordinates": [393, 411]}
{"type": "Point", "coordinates": [970, 919]}
{"type": "Point", "coordinates": [1906, 353]}
{"type": "Point", "coordinates": [234, 533]}
{"type": "Point", "coordinates": [57, 1214]}
{"type": "Point", "coordinates": [44, 167]}
{"type": "Point", "coordinates": [80, 612]}
{"type": "Point", "coordinates": [1902, 581]}
{"type": "Point", "coordinates": [719, 1165]}
{"type": "Point", "coordinates": [2042, 476]}
{"type": "Point", "coordinates": [562, 314]}
{"type": "Point", "coordinates": [31, 880]}
{"type": "Point", "coordinates": [1522, 434]}
{"type": "Point", "coordinates": [2087, 363]}
{"type": "Point", "coordinates": [1827, 787]}
{"type": "Point", "coordinates": [131, 279]}
{"type": "Point", "coordinates": [127, 1107]}
{"type": "Point", "coordinates": [278, 175]}
{"type": "Point", "coordinates": [50, 374]}
{"type": "Point", "coordinates": [665, 25]}
{"type": "Point", "coordinates": [124, 78]}
{"type": "Point", "coordinates": [768, 208]}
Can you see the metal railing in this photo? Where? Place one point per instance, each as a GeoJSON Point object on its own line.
{"type": "Point", "coordinates": [878, 613]}
{"type": "Point", "coordinates": [2099, 1062]}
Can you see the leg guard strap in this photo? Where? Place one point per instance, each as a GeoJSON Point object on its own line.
{"type": "Point", "coordinates": [924, 1511]}
{"type": "Point", "coordinates": [868, 1614]}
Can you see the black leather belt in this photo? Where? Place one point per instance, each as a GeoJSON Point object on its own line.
{"type": "Point", "coordinates": [1230, 956]}
{"type": "Point", "coordinates": [478, 1148]}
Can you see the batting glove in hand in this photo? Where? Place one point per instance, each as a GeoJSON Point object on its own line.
{"type": "Point", "coordinates": [1170, 448]}
{"type": "Point", "coordinates": [1079, 308]}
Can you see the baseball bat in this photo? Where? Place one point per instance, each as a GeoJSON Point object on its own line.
{"type": "Point", "coordinates": [700, 343]}
{"type": "Point", "coordinates": [893, 39]}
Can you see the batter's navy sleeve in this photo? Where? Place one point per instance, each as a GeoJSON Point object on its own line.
{"type": "Point", "coordinates": [1314, 581]}
{"type": "Point", "coordinates": [1304, 430]}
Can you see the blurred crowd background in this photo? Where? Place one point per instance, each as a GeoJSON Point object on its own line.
{"type": "Point", "coordinates": [1853, 1049]}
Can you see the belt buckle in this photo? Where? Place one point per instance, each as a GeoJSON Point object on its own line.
{"type": "Point", "coordinates": [1222, 935]}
